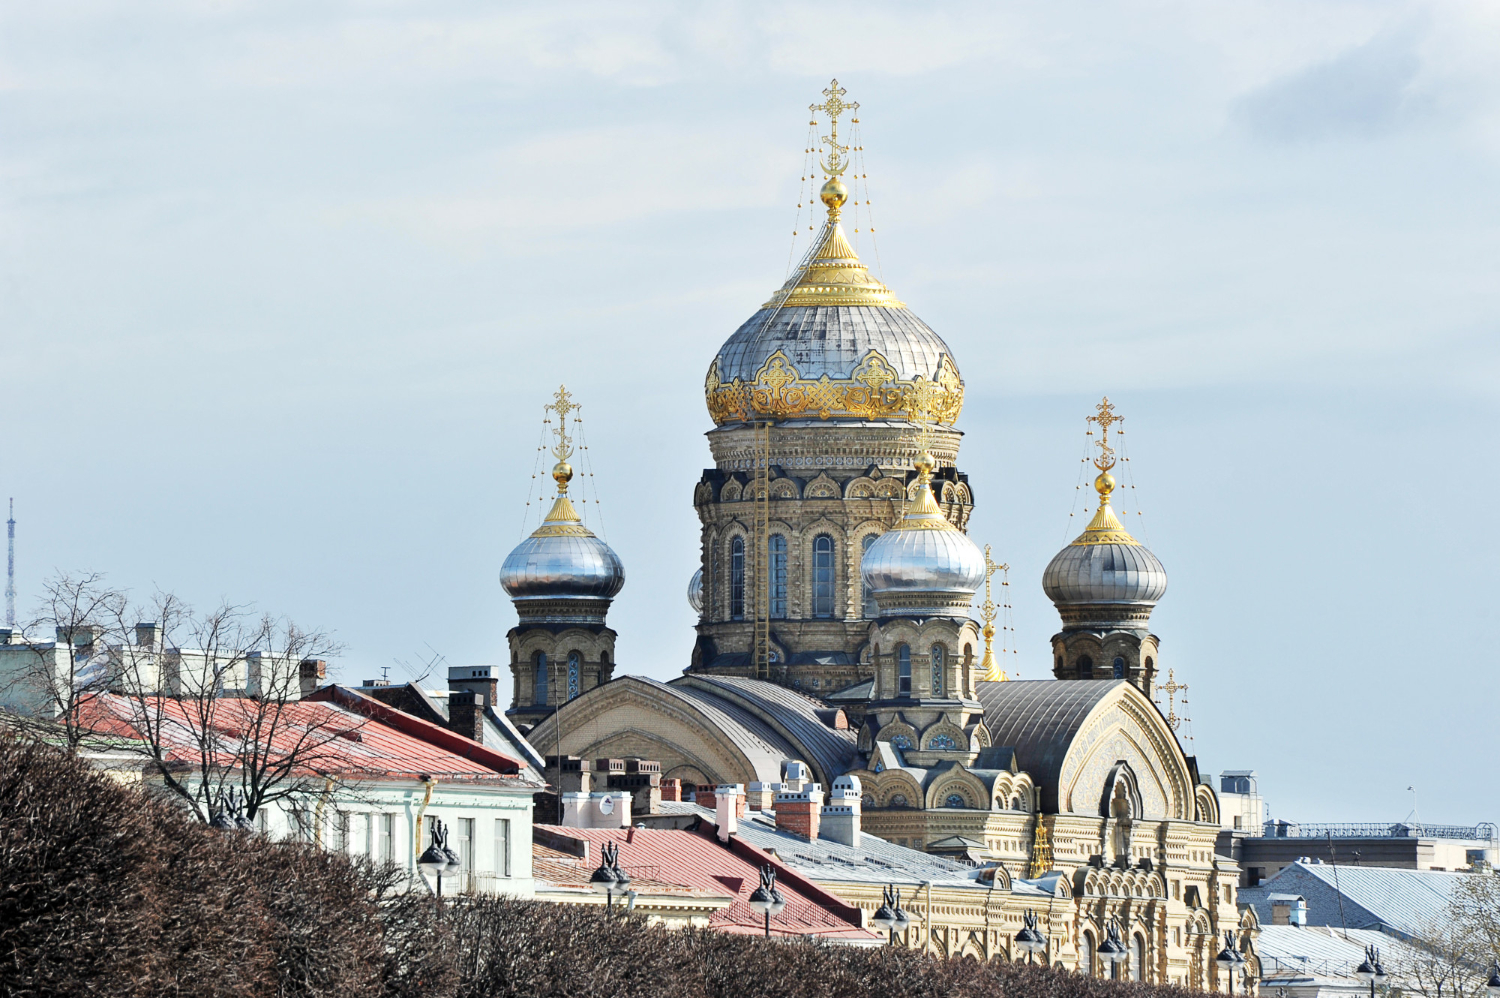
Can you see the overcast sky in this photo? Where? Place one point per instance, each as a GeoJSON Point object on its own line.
{"type": "Point", "coordinates": [284, 287]}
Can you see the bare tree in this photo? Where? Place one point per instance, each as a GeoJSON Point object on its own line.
{"type": "Point", "coordinates": [62, 662]}
{"type": "Point", "coordinates": [217, 708]}
{"type": "Point", "coordinates": [1475, 909]}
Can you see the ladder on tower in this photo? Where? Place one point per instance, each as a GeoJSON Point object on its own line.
{"type": "Point", "coordinates": [760, 653]}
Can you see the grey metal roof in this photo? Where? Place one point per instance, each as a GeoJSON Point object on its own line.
{"type": "Point", "coordinates": [1289, 952]}
{"type": "Point", "coordinates": [832, 340]}
{"type": "Point", "coordinates": [500, 733]}
{"type": "Point", "coordinates": [1039, 718]}
{"type": "Point", "coordinates": [876, 861]}
{"type": "Point", "coordinates": [1403, 902]}
{"type": "Point", "coordinates": [792, 716]}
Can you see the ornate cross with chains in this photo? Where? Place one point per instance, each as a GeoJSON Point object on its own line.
{"type": "Point", "coordinates": [562, 403]}
{"type": "Point", "coordinates": [1104, 419]}
{"type": "Point", "coordinates": [833, 107]}
{"type": "Point", "coordinates": [1171, 688]}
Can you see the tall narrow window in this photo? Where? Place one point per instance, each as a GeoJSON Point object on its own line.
{"type": "Point", "coordinates": [1137, 958]}
{"type": "Point", "coordinates": [776, 553]}
{"type": "Point", "coordinates": [385, 841]}
{"type": "Point", "coordinates": [359, 835]}
{"type": "Point", "coordinates": [1086, 956]}
{"type": "Point", "coordinates": [341, 831]}
{"type": "Point", "coordinates": [870, 610]}
{"type": "Point", "coordinates": [937, 670]}
{"type": "Point", "coordinates": [1119, 667]}
{"type": "Point", "coordinates": [540, 678]}
{"type": "Point", "coordinates": [466, 852]}
{"type": "Point", "coordinates": [502, 847]}
{"type": "Point", "coordinates": [573, 674]}
{"type": "Point", "coordinates": [737, 579]}
{"type": "Point", "coordinates": [823, 576]}
{"type": "Point", "coordinates": [903, 670]}
{"type": "Point", "coordinates": [711, 591]}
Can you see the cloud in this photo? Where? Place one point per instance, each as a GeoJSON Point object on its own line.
{"type": "Point", "coordinates": [1366, 90]}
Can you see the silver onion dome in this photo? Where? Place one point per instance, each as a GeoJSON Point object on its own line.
{"type": "Point", "coordinates": [695, 592]}
{"type": "Point", "coordinates": [924, 566]}
{"type": "Point", "coordinates": [1105, 575]}
{"type": "Point", "coordinates": [562, 560]}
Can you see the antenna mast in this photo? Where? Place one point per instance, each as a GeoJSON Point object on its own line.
{"type": "Point", "coordinates": [10, 567]}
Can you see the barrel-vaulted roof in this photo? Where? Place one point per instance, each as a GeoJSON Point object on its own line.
{"type": "Point", "coordinates": [1070, 735]}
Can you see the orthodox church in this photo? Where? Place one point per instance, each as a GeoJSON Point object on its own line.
{"type": "Point", "coordinates": [834, 596]}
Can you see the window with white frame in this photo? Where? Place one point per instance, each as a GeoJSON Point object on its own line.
{"type": "Point", "coordinates": [502, 847]}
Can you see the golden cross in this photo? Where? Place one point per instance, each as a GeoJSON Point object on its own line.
{"type": "Point", "coordinates": [992, 670]}
{"type": "Point", "coordinates": [833, 107]}
{"type": "Point", "coordinates": [562, 404]}
{"type": "Point", "coordinates": [1105, 419]}
{"type": "Point", "coordinates": [1172, 687]}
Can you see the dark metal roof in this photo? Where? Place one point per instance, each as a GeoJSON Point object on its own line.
{"type": "Point", "coordinates": [792, 716]}
{"type": "Point", "coordinates": [1039, 719]}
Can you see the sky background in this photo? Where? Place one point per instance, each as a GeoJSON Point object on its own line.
{"type": "Point", "coordinates": [284, 287]}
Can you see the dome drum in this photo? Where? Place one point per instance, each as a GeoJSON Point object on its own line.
{"type": "Point", "coordinates": [543, 610]}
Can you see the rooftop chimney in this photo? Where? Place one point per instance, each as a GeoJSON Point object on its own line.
{"type": "Point", "coordinates": [1288, 909]}
{"type": "Point", "coordinates": [671, 790]}
{"type": "Point", "coordinates": [761, 796]}
{"type": "Point", "coordinates": [841, 814]}
{"type": "Point", "coordinates": [729, 800]}
{"type": "Point", "coordinates": [800, 811]}
{"type": "Point", "coordinates": [311, 672]}
{"type": "Point", "coordinates": [466, 715]}
{"type": "Point", "coordinates": [610, 809]}
{"type": "Point", "coordinates": [642, 778]}
{"type": "Point", "coordinates": [147, 633]}
{"type": "Point", "coordinates": [483, 679]}
{"type": "Point", "coordinates": [573, 775]}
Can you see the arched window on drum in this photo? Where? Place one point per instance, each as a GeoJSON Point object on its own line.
{"type": "Point", "coordinates": [871, 611]}
{"type": "Point", "coordinates": [539, 678]}
{"type": "Point", "coordinates": [822, 576]}
{"type": "Point", "coordinates": [903, 670]}
{"type": "Point", "coordinates": [737, 579]}
{"type": "Point", "coordinates": [776, 552]}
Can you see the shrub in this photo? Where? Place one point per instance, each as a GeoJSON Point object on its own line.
{"type": "Point", "coordinates": [107, 891]}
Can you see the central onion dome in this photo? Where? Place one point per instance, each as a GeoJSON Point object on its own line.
{"type": "Point", "coordinates": [562, 559]}
{"type": "Point", "coordinates": [1105, 576]}
{"type": "Point", "coordinates": [924, 566]}
{"type": "Point", "coordinates": [833, 343]}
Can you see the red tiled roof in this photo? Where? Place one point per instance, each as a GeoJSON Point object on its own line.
{"type": "Point", "coordinates": [565, 870]}
{"type": "Point", "coordinates": [701, 862]}
{"type": "Point", "coordinates": [329, 738]}
{"type": "Point", "coordinates": [418, 727]}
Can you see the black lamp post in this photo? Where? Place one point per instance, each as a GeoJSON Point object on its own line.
{"type": "Point", "coordinates": [766, 899]}
{"type": "Point", "coordinates": [609, 879]}
{"type": "Point", "coordinates": [889, 915]}
{"type": "Point", "coordinates": [1371, 972]}
{"type": "Point", "coordinates": [1112, 950]}
{"type": "Point", "coordinates": [1493, 987]}
{"type": "Point", "coordinates": [438, 859]}
{"type": "Point", "coordinates": [1029, 940]}
{"type": "Point", "coordinates": [1228, 959]}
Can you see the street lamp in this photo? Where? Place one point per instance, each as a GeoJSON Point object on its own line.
{"type": "Point", "coordinates": [1112, 951]}
{"type": "Point", "coordinates": [889, 915]}
{"type": "Point", "coordinates": [1228, 959]}
{"type": "Point", "coordinates": [609, 879]}
{"type": "Point", "coordinates": [438, 859]}
{"type": "Point", "coordinates": [1371, 972]}
{"type": "Point", "coordinates": [766, 899]}
{"type": "Point", "coordinates": [1029, 940]}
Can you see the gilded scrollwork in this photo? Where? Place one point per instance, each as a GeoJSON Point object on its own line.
{"type": "Point", "coordinates": [873, 391]}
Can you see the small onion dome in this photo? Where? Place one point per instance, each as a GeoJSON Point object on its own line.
{"type": "Point", "coordinates": [1105, 576]}
{"type": "Point", "coordinates": [695, 592]}
{"type": "Point", "coordinates": [924, 566]}
{"type": "Point", "coordinates": [562, 559]}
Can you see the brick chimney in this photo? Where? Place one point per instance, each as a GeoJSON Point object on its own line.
{"type": "Point", "coordinates": [483, 679]}
{"type": "Point", "coordinates": [703, 796]}
{"type": "Point", "coordinates": [642, 779]}
{"type": "Point", "coordinates": [466, 715]}
{"type": "Point", "coordinates": [761, 796]}
{"type": "Point", "coordinates": [310, 673]}
{"type": "Point", "coordinates": [570, 773]}
{"type": "Point", "coordinates": [147, 633]}
{"type": "Point", "coordinates": [671, 790]}
{"type": "Point", "coordinates": [800, 811]}
{"type": "Point", "coordinates": [841, 815]}
{"type": "Point", "coordinates": [729, 807]}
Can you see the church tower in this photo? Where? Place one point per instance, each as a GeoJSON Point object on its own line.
{"type": "Point", "coordinates": [923, 574]}
{"type": "Point", "coordinates": [813, 401]}
{"type": "Point", "coordinates": [561, 579]}
{"type": "Point", "coordinates": [1105, 585]}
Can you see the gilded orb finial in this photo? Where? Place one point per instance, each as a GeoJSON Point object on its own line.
{"type": "Point", "coordinates": [562, 474]}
